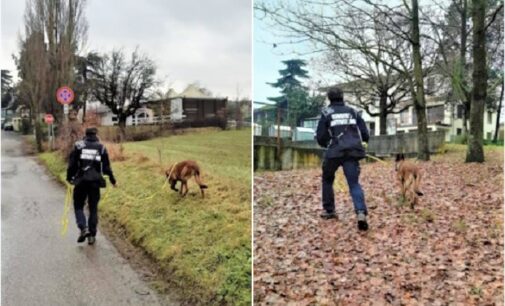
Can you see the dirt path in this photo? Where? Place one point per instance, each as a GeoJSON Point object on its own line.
{"type": "Point", "coordinates": [39, 266]}
{"type": "Point", "coordinates": [449, 250]}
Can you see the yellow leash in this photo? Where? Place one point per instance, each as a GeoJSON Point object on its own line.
{"type": "Point", "coordinates": [339, 178]}
{"type": "Point", "coordinates": [70, 192]}
{"type": "Point", "coordinates": [66, 209]}
{"type": "Point", "coordinates": [171, 170]}
{"type": "Point", "coordinates": [152, 196]}
{"type": "Point", "coordinates": [375, 158]}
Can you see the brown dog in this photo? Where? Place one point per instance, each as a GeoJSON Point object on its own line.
{"type": "Point", "coordinates": [409, 176]}
{"type": "Point", "coordinates": [182, 171]}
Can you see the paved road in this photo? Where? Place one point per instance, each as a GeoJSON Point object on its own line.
{"type": "Point", "coordinates": [39, 266]}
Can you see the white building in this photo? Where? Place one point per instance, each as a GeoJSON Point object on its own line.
{"type": "Point", "coordinates": [142, 115]}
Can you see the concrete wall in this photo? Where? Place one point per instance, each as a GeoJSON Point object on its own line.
{"type": "Point", "coordinates": [385, 145]}
{"type": "Point", "coordinates": [307, 154]}
{"type": "Point", "coordinates": [294, 155]}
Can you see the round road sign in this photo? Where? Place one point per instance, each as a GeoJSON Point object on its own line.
{"type": "Point", "coordinates": [65, 95]}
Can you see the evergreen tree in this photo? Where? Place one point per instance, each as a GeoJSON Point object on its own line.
{"type": "Point", "coordinates": [295, 100]}
{"type": "Point", "coordinates": [6, 87]}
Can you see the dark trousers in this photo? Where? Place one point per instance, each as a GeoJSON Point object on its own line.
{"type": "Point", "coordinates": [351, 172]}
{"type": "Point", "coordinates": [82, 192]}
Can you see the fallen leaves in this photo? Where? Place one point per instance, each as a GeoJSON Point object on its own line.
{"type": "Point", "coordinates": [448, 250]}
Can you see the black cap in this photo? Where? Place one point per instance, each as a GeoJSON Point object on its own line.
{"type": "Point", "coordinates": [335, 94]}
{"type": "Point", "coordinates": [91, 131]}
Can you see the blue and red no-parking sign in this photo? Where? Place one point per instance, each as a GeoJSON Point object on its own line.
{"type": "Point", "coordinates": [65, 95]}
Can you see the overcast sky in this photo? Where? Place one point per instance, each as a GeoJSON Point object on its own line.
{"type": "Point", "coordinates": [190, 40]}
{"type": "Point", "coordinates": [268, 57]}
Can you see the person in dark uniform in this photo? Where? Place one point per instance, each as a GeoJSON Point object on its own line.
{"type": "Point", "coordinates": [87, 162]}
{"type": "Point", "coordinates": [342, 131]}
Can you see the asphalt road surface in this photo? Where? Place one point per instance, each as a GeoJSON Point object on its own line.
{"type": "Point", "coordinates": [39, 266]}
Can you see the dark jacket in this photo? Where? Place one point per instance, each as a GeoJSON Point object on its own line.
{"type": "Point", "coordinates": [342, 130]}
{"type": "Point", "coordinates": [88, 153]}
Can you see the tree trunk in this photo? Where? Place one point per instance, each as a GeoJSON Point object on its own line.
{"type": "Point", "coordinates": [84, 111]}
{"type": "Point", "coordinates": [497, 129]}
{"type": "Point", "coordinates": [38, 134]}
{"type": "Point", "coordinates": [383, 115]}
{"type": "Point", "coordinates": [420, 103]}
{"type": "Point", "coordinates": [475, 151]}
{"type": "Point", "coordinates": [122, 128]}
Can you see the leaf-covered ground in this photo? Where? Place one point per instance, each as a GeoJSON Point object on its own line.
{"type": "Point", "coordinates": [447, 251]}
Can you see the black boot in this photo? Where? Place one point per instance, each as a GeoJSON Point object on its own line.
{"type": "Point", "coordinates": [328, 214]}
{"type": "Point", "coordinates": [91, 239]}
{"type": "Point", "coordinates": [82, 236]}
{"type": "Point", "coordinates": [362, 224]}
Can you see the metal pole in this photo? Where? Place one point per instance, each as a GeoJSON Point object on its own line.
{"type": "Point", "coordinates": [279, 135]}
{"type": "Point", "coordinates": [49, 137]}
{"type": "Point", "coordinates": [52, 136]}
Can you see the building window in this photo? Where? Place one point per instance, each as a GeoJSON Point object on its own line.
{"type": "Point", "coordinates": [404, 117]}
{"type": "Point", "coordinates": [430, 85]}
{"type": "Point", "coordinates": [459, 111]}
{"type": "Point", "coordinates": [489, 136]}
{"type": "Point", "coordinates": [435, 114]}
{"type": "Point", "coordinates": [459, 131]}
{"type": "Point", "coordinates": [489, 117]}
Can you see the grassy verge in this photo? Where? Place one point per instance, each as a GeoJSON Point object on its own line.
{"type": "Point", "coordinates": [203, 246]}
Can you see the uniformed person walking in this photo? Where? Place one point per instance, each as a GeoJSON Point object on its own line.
{"type": "Point", "coordinates": [87, 162]}
{"type": "Point", "coordinates": [342, 131]}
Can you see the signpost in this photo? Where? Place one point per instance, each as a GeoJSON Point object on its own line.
{"type": "Point", "coordinates": [49, 119]}
{"type": "Point", "coordinates": [65, 95]}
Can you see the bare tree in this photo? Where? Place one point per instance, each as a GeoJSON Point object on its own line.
{"type": "Point", "coordinates": [33, 67]}
{"type": "Point", "coordinates": [452, 33]}
{"type": "Point", "coordinates": [123, 85]}
{"type": "Point", "coordinates": [324, 24]}
{"type": "Point", "coordinates": [65, 29]}
{"type": "Point", "coordinates": [375, 86]}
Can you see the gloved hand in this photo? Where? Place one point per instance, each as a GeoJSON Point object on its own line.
{"type": "Point", "coordinates": [365, 145]}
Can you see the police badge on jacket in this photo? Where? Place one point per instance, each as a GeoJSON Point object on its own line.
{"type": "Point", "coordinates": [88, 162]}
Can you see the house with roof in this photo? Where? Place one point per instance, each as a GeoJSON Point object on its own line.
{"type": "Point", "coordinates": [193, 106]}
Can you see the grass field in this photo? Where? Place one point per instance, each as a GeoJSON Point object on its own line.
{"type": "Point", "coordinates": [203, 246]}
